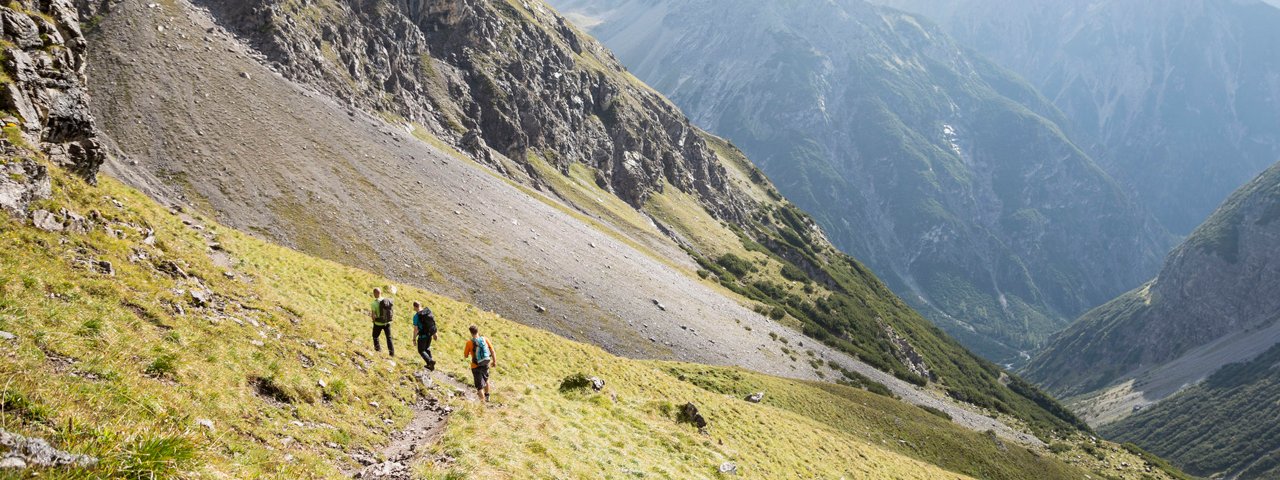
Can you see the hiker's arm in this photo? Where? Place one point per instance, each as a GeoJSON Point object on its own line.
{"type": "Point", "coordinates": [493, 354]}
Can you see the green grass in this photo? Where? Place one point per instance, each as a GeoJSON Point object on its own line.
{"type": "Point", "coordinates": [130, 387]}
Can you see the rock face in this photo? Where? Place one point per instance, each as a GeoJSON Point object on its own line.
{"type": "Point", "coordinates": [47, 89]}
{"type": "Point", "coordinates": [44, 98]}
{"type": "Point", "coordinates": [1177, 99]}
{"type": "Point", "coordinates": [1217, 289]}
{"type": "Point", "coordinates": [483, 76]}
{"type": "Point", "coordinates": [950, 177]}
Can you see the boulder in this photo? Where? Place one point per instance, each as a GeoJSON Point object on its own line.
{"type": "Point", "coordinates": [729, 468]}
{"type": "Point", "coordinates": [45, 220]}
{"type": "Point", "coordinates": [689, 414]}
{"type": "Point", "coordinates": [16, 463]}
{"type": "Point", "coordinates": [597, 383]}
{"type": "Point", "coordinates": [755, 397]}
{"type": "Point", "coordinates": [201, 298]}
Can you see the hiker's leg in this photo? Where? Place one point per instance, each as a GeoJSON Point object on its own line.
{"type": "Point", "coordinates": [376, 347]}
{"type": "Point", "coordinates": [424, 349]}
{"type": "Point", "coordinates": [477, 374]}
{"type": "Point", "coordinates": [391, 349]}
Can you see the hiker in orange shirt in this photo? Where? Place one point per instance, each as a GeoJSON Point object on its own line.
{"type": "Point", "coordinates": [480, 351]}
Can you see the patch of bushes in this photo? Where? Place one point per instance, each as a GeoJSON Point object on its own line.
{"type": "Point", "coordinates": [736, 265]}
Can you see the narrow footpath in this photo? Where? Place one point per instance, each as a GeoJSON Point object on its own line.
{"type": "Point", "coordinates": [410, 445]}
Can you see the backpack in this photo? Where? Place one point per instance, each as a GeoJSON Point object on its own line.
{"type": "Point", "coordinates": [481, 352]}
{"type": "Point", "coordinates": [426, 322]}
{"type": "Point", "coordinates": [384, 311]}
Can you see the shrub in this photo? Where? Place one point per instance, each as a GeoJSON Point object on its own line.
{"type": "Point", "coordinates": [164, 365]}
{"type": "Point", "coordinates": [777, 313]}
{"type": "Point", "coordinates": [736, 265]}
{"type": "Point", "coordinates": [794, 273]}
{"type": "Point", "coordinates": [573, 382]}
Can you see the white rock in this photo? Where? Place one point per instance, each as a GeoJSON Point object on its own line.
{"type": "Point", "coordinates": [13, 462]}
{"type": "Point", "coordinates": [206, 423]}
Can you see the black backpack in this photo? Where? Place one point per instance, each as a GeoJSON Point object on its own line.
{"type": "Point", "coordinates": [384, 311]}
{"type": "Point", "coordinates": [427, 321]}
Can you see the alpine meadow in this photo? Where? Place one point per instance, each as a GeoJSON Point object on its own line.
{"type": "Point", "coordinates": [699, 239]}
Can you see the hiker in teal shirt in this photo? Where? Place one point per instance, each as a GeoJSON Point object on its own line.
{"type": "Point", "coordinates": [424, 329]}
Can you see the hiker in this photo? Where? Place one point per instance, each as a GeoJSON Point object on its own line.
{"type": "Point", "coordinates": [380, 313]}
{"type": "Point", "coordinates": [480, 351]}
{"type": "Point", "coordinates": [424, 329]}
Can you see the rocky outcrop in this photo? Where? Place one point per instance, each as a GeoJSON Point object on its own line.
{"type": "Point", "coordinates": [1218, 285]}
{"type": "Point", "coordinates": [44, 98]}
{"type": "Point", "coordinates": [484, 77]}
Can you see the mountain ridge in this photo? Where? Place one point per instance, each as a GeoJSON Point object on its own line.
{"type": "Point", "coordinates": [1177, 101]}
{"type": "Point", "coordinates": [944, 172]}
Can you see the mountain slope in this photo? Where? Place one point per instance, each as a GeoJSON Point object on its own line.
{"type": "Point", "coordinates": [1210, 304]}
{"type": "Point", "coordinates": [1207, 326]}
{"type": "Point", "coordinates": [168, 346]}
{"type": "Point", "coordinates": [1178, 100]}
{"type": "Point", "coordinates": [949, 176]}
{"type": "Point", "coordinates": [544, 238]}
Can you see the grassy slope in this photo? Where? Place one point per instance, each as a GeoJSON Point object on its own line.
{"type": "Point", "coordinates": [847, 313]}
{"type": "Point", "coordinates": [106, 365]}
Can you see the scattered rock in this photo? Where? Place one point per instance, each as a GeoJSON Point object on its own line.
{"type": "Point", "coordinates": [200, 298]}
{"type": "Point", "coordinates": [689, 414]}
{"type": "Point", "coordinates": [105, 268]}
{"type": "Point", "coordinates": [755, 397]}
{"type": "Point", "coordinates": [171, 268]}
{"type": "Point", "coordinates": [206, 423]}
{"type": "Point", "coordinates": [37, 452]}
{"type": "Point", "coordinates": [257, 343]}
{"type": "Point", "coordinates": [45, 220]}
{"type": "Point", "coordinates": [7, 336]}
{"type": "Point", "coordinates": [540, 308]}
{"type": "Point", "coordinates": [729, 468]}
{"type": "Point", "coordinates": [245, 75]}
{"type": "Point", "coordinates": [13, 463]}
{"type": "Point", "coordinates": [597, 383]}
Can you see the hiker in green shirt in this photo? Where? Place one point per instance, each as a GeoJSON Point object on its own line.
{"type": "Point", "coordinates": [380, 313]}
